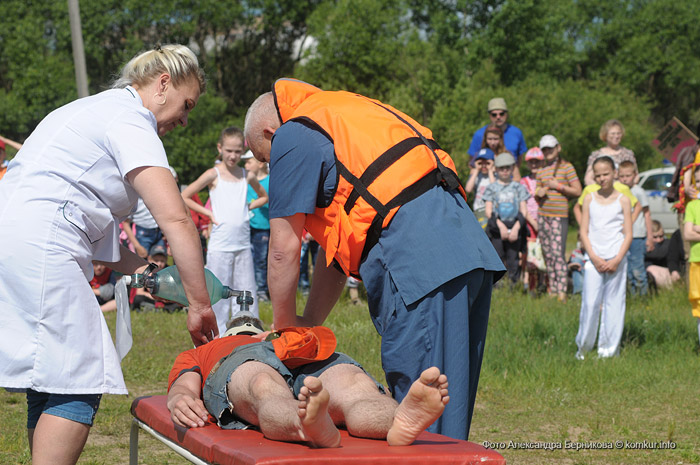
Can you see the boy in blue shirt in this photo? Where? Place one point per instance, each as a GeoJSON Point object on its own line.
{"type": "Point", "coordinates": [506, 211]}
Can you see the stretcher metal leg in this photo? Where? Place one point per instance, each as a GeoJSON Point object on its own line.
{"type": "Point", "coordinates": [134, 444]}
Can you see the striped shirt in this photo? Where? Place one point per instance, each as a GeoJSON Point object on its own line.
{"type": "Point", "coordinates": [555, 203]}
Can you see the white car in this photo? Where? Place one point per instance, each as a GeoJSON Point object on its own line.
{"type": "Point", "coordinates": [656, 183]}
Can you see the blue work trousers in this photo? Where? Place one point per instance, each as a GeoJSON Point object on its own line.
{"type": "Point", "coordinates": [446, 329]}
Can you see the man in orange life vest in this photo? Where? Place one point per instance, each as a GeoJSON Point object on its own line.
{"type": "Point", "coordinates": [383, 201]}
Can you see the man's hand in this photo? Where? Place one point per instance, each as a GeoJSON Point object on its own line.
{"type": "Point", "coordinates": [184, 402]}
{"type": "Point", "coordinates": [187, 411]}
{"type": "Point", "coordinates": [201, 323]}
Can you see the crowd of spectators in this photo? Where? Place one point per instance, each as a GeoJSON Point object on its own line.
{"type": "Point", "coordinates": [524, 208]}
{"type": "Point", "coordinates": [528, 225]}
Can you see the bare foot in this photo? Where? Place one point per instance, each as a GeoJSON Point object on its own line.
{"type": "Point", "coordinates": [423, 404]}
{"type": "Point", "coordinates": [317, 426]}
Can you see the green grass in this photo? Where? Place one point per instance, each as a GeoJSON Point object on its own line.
{"type": "Point", "coordinates": [531, 388]}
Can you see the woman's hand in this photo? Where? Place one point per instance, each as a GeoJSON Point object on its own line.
{"type": "Point", "coordinates": [599, 263]}
{"type": "Point", "coordinates": [612, 265]}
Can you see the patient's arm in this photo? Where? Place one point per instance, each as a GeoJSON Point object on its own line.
{"type": "Point", "coordinates": [185, 402]}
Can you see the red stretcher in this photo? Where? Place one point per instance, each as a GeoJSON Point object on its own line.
{"type": "Point", "coordinates": [212, 445]}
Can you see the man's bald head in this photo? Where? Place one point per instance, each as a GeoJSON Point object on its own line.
{"type": "Point", "coordinates": [261, 121]}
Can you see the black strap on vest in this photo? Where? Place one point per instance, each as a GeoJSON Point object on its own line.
{"type": "Point", "coordinates": [441, 175]}
{"type": "Point", "coordinates": [383, 162]}
{"type": "Point", "coordinates": [449, 177]}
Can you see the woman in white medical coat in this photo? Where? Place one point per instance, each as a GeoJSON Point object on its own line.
{"type": "Point", "coordinates": [76, 178]}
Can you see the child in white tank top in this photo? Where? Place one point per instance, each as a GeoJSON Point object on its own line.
{"type": "Point", "coordinates": [229, 254]}
{"type": "Point", "coordinates": [606, 234]}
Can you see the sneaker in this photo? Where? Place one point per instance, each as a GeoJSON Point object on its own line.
{"type": "Point", "coordinates": [262, 297]}
{"type": "Point", "coordinates": [579, 355]}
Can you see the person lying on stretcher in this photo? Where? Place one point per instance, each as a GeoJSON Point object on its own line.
{"type": "Point", "coordinates": [295, 388]}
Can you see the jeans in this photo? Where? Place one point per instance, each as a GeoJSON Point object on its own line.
{"type": "Point", "coordinates": [259, 239]}
{"type": "Point", "coordinates": [446, 329]}
{"type": "Point", "coordinates": [148, 237]}
{"type": "Point", "coordinates": [577, 276]}
{"type": "Point", "coordinates": [307, 248]}
{"type": "Point", "coordinates": [80, 408]}
{"type": "Point", "coordinates": [636, 271]}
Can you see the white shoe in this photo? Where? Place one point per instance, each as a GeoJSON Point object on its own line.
{"type": "Point", "coordinates": [579, 355]}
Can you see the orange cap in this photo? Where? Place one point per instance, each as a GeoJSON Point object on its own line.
{"type": "Point", "coordinates": [299, 346]}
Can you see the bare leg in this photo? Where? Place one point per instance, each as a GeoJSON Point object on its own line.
{"type": "Point", "coordinates": [357, 403]}
{"type": "Point", "coordinates": [423, 404]}
{"type": "Point", "coordinates": [261, 397]}
{"type": "Point", "coordinates": [57, 440]}
{"type": "Point", "coordinates": [313, 412]}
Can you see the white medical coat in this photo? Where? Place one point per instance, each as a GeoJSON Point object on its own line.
{"type": "Point", "coordinates": [61, 203]}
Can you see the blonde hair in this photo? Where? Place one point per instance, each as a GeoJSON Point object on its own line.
{"type": "Point", "coordinates": [177, 60]}
{"type": "Point", "coordinates": [603, 134]}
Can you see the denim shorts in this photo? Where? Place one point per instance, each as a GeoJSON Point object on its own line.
{"type": "Point", "coordinates": [215, 394]}
{"type": "Point", "coordinates": [80, 408]}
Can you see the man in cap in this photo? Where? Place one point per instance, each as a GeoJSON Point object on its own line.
{"type": "Point", "coordinates": [513, 136]}
{"type": "Point", "coordinates": [382, 199]}
{"type": "Point", "coordinates": [295, 388]}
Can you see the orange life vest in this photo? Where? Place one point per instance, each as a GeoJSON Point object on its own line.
{"type": "Point", "coordinates": [384, 159]}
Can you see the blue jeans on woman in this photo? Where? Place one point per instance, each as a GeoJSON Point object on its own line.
{"type": "Point", "coordinates": [636, 271]}
{"type": "Point", "coordinates": [260, 239]}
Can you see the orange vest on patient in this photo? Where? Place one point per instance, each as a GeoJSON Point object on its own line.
{"type": "Point", "coordinates": [384, 159]}
{"type": "Point", "coordinates": [294, 346]}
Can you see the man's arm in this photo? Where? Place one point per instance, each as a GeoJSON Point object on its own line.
{"type": "Point", "coordinates": [185, 402]}
{"type": "Point", "coordinates": [327, 285]}
{"type": "Point", "coordinates": [283, 268]}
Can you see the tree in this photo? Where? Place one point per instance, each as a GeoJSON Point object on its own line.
{"type": "Point", "coordinates": [243, 47]}
{"type": "Point", "coordinates": [571, 110]}
{"type": "Point", "coordinates": [653, 47]}
{"type": "Point", "coordinates": [359, 45]}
